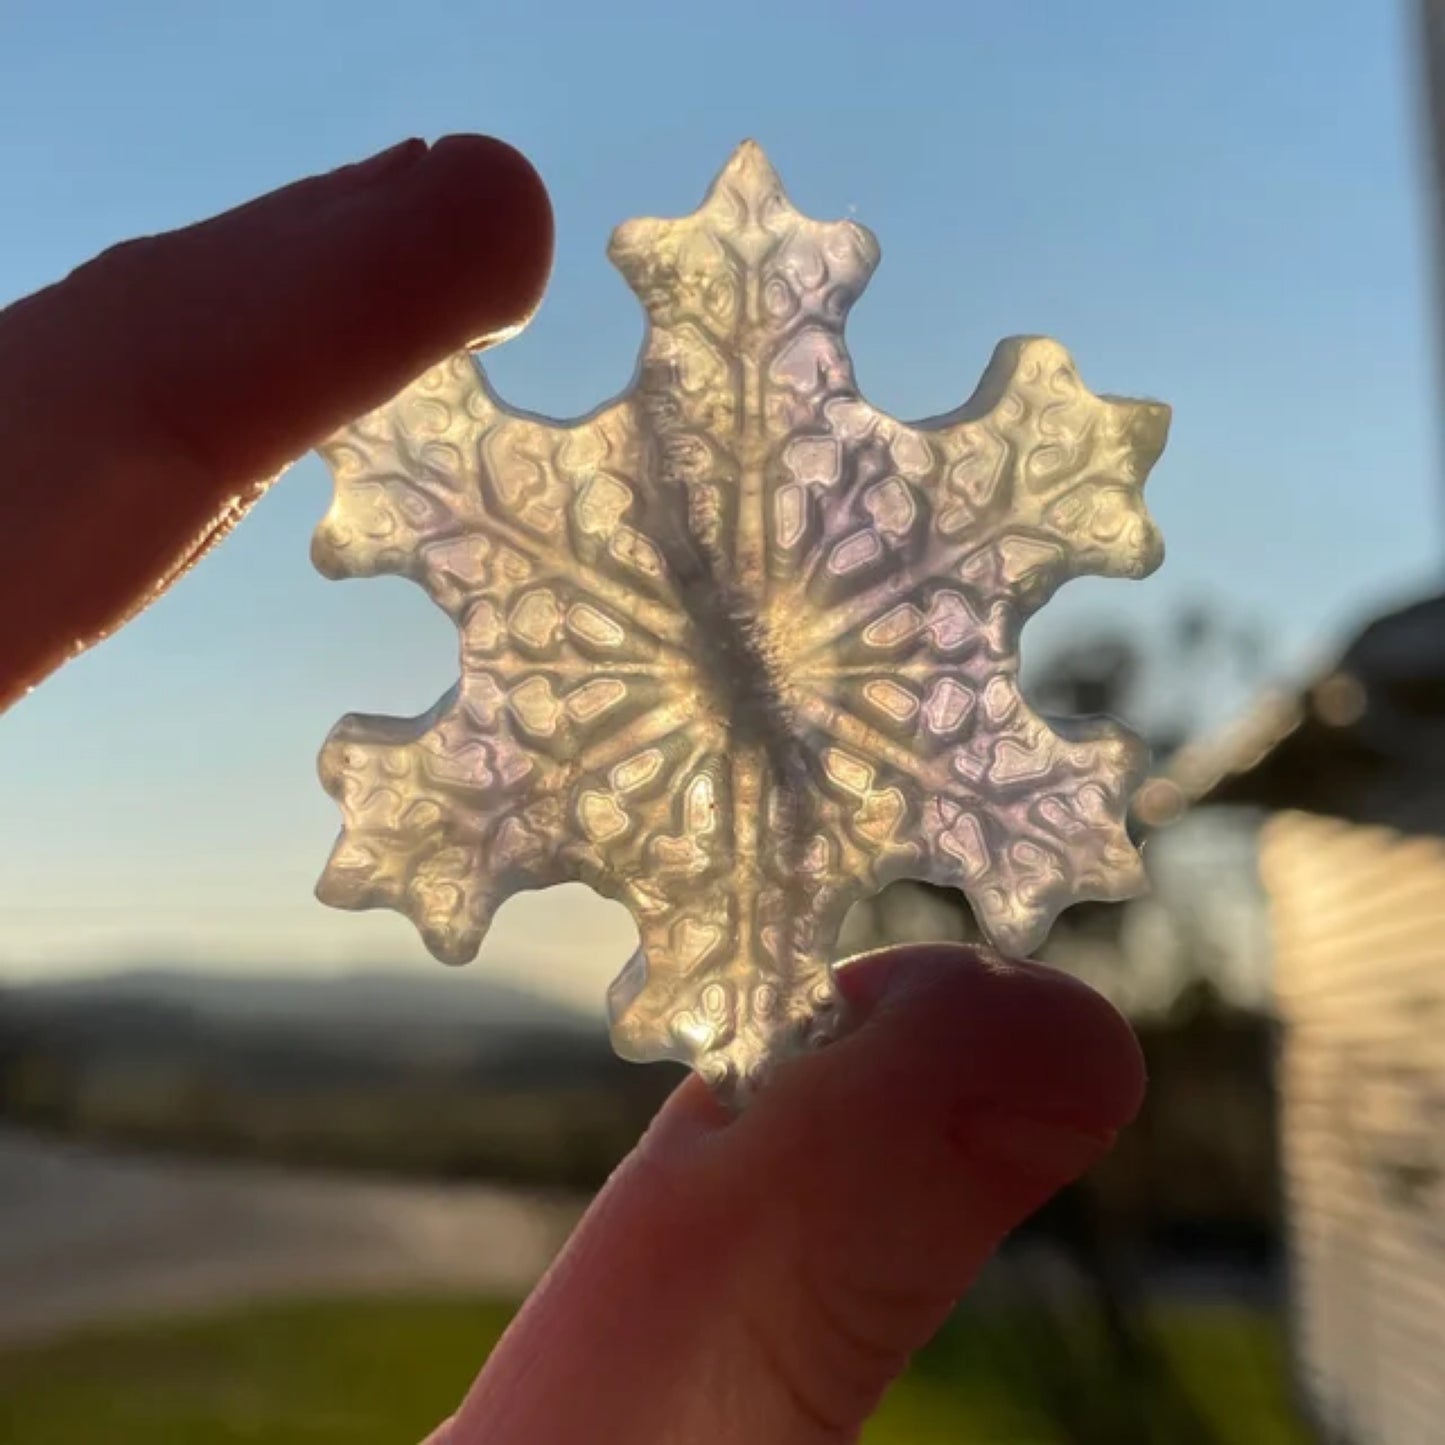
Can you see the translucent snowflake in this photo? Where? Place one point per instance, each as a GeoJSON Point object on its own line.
{"type": "Point", "coordinates": [738, 649]}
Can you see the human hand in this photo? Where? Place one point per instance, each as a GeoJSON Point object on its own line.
{"type": "Point", "coordinates": [147, 399]}
{"type": "Point", "coordinates": [740, 1280]}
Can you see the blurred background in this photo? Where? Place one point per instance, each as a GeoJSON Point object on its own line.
{"type": "Point", "coordinates": [252, 1150]}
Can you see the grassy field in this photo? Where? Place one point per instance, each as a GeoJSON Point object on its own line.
{"type": "Point", "coordinates": [382, 1372]}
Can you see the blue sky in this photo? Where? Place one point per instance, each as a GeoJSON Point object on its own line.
{"type": "Point", "coordinates": [1214, 204]}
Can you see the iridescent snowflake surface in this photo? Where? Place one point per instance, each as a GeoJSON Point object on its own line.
{"type": "Point", "coordinates": [738, 649]}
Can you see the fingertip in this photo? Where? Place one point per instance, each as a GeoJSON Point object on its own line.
{"type": "Point", "coordinates": [1009, 1032]}
{"type": "Point", "coordinates": [489, 196]}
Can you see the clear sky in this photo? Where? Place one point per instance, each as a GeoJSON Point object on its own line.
{"type": "Point", "coordinates": [1215, 204]}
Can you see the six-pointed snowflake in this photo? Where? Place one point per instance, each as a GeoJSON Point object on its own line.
{"type": "Point", "coordinates": [738, 649]}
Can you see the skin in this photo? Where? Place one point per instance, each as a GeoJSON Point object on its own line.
{"type": "Point", "coordinates": [758, 1279]}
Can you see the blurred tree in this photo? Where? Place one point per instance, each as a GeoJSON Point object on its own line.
{"type": "Point", "coordinates": [9, 1043]}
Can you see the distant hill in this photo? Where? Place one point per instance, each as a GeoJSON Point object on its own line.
{"type": "Point", "coordinates": [433, 1072]}
{"type": "Point", "coordinates": [443, 999]}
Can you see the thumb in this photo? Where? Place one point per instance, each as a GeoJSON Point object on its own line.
{"type": "Point", "coordinates": [766, 1277]}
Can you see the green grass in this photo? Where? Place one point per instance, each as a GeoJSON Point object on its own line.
{"type": "Point", "coordinates": [293, 1374]}
{"type": "Point", "coordinates": [384, 1371]}
{"type": "Point", "coordinates": [1218, 1375]}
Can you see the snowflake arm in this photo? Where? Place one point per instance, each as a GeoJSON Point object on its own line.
{"type": "Point", "coordinates": [519, 531]}
{"type": "Point", "coordinates": [1042, 481]}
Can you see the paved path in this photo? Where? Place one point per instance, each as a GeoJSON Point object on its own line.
{"type": "Point", "coordinates": [88, 1236]}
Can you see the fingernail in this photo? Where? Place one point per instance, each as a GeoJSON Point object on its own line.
{"type": "Point", "coordinates": [488, 339]}
{"type": "Point", "coordinates": [1049, 1151]}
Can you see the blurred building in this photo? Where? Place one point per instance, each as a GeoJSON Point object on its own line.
{"type": "Point", "coordinates": [1350, 778]}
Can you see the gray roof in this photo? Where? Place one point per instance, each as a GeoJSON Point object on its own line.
{"type": "Point", "coordinates": [1364, 741]}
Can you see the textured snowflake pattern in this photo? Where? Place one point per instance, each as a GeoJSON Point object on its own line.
{"type": "Point", "coordinates": [738, 649]}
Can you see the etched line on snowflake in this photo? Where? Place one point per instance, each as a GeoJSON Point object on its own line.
{"type": "Point", "coordinates": [737, 649]}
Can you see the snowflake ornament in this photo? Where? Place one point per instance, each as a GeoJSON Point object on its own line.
{"type": "Point", "coordinates": [738, 649]}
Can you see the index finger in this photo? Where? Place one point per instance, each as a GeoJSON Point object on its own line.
{"type": "Point", "coordinates": [147, 399]}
